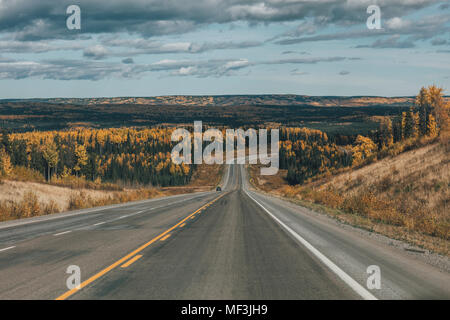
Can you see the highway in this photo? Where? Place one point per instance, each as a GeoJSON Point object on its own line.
{"type": "Point", "coordinates": [234, 244]}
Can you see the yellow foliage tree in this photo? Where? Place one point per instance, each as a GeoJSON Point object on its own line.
{"type": "Point", "coordinates": [82, 158]}
{"type": "Point", "coordinates": [431, 126]}
{"type": "Point", "coordinates": [51, 156]}
{"type": "Point", "coordinates": [363, 150]}
{"type": "Point", "coordinates": [5, 163]}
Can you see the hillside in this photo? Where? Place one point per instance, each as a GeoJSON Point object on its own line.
{"type": "Point", "coordinates": [405, 197]}
{"type": "Point", "coordinates": [416, 179]}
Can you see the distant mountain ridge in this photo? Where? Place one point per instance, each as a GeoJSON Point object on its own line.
{"type": "Point", "coordinates": [235, 100]}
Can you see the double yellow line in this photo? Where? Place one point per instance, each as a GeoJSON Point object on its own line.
{"type": "Point", "coordinates": [133, 253]}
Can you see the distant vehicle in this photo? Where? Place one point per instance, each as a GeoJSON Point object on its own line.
{"type": "Point", "coordinates": [218, 189]}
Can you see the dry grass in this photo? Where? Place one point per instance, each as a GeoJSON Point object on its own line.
{"type": "Point", "coordinates": [13, 191]}
{"type": "Point", "coordinates": [21, 199]}
{"type": "Point", "coordinates": [272, 184]}
{"type": "Point", "coordinates": [29, 175]}
{"type": "Point", "coordinates": [413, 188]}
{"type": "Point", "coordinates": [406, 196]}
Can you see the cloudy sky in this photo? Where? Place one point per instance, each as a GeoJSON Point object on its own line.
{"type": "Point", "coordinates": [170, 47]}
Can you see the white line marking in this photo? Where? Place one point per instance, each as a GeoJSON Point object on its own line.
{"type": "Point", "coordinates": [359, 289]}
{"type": "Point", "coordinates": [61, 233]}
{"type": "Point", "coordinates": [7, 248]}
{"type": "Point", "coordinates": [187, 196]}
{"type": "Point", "coordinates": [97, 224]}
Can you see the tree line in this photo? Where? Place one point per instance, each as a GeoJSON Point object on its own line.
{"type": "Point", "coordinates": [129, 155]}
{"type": "Point", "coordinates": [306, 153]}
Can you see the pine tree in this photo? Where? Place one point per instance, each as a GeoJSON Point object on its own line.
{"type": "Point", "coordinates": [5, 143]}
{"type": "Point", "coordinates": [423, 105]}
{"type": "Point", "coordinates": [386, 133]}
{"type": "Point", "coordinates": [410, 122]}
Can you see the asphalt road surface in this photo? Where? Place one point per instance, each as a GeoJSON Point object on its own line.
{"type": "Point", "coordinates": [234, 244]}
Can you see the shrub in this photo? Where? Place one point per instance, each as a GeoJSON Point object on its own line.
{"type": "Point", "coordinates": [51, 207]}
{"type": "Point", "coordinates": [20, 173]}
{"type": "Point", "coordinates": [29, 206]}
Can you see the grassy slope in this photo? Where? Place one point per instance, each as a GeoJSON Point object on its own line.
{"type": "Point", "coordinates": [406, 197]}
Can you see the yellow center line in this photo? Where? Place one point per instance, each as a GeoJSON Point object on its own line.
{"type": "Point", "coordinates": [128, 256]}
{"type": "Point", "coordinates": [165, 237]}
{"type": "Point", "coordinates": [131, 261]}
{"type": "Point", "coordinates": [182, 225]}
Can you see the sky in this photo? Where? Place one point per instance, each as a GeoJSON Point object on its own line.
{"type": "Point", "coordinates": [217, 47]}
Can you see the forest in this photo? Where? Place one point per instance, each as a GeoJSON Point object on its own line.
{"type": "Point", "coordinates": [307, 153]}
{"type": "Point", "coordinates": [141, 155]}
{"type": "Point", "coordinates": [127, 155]}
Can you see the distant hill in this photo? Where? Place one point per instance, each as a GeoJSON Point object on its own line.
{"type": "Point", "coordinates": [331, 114]}
{"type": "Point", "coordinates": [236, 100]}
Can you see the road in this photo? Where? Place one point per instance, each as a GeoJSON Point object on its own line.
{"type": "Point", "coordinates": [234, 244]}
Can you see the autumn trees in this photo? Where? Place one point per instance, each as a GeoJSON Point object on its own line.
{"type": "Point", "coordinates": [5, 159]}
{"type": "Point", "coordinates": [5, 163]}
{"type": "Point", "coordinates": [364, 150]}
{"type": "Point", "coordinates": [425, 119]}
{"type": "Point", "coordinates": [307, 153]}
{"type": "Point", "coordinates": [133, 156]}
{"type": "Point", "coordinates": [51, 157]}
{"type": "Point", "coordinates": [81, 158]}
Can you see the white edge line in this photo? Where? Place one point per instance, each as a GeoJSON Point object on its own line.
{"type": "Point", "coordinates": [99, 223]}
{"type": "Point", "coordinates": [67, 214]}
{"type": "Point", "coordinates": [61, 233]}
{"type": "Point", "coordinates": [7, 248]}
{"type": "Point", "coordinates": [333, 267]}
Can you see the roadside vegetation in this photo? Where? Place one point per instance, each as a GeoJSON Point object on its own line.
{"type": "Point", "coordinates": [126, 156]}
{"type": "Point", "coordinates": [24, 199]}
{"type": "Point", "coordinates": [54, 171]}
{"type": "Point", "coordinates": [395, 181]}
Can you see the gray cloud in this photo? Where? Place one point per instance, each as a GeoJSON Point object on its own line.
{"type": "Point", "coordinates": [96, 52]}
{"type": "Point", "coordinates": [391, 42]}
{"type": "Point", "coordinates": [297, 72]}
{"type": "Point", "coordinates": [144, 46]}
{"type": "Point", "coordinates": [440, 42]}
{"type": "Point", "coordinates": [34, 26]}
{"type": "Point", "coordinates": [64, 69]}
{"type": "Point", "coordinates": [13, 46]}
{"type": "Point", "coordinates": [128, 61]}
{"type": "Point", "coordinates": [426, 28]}
{"type": "Point", "coordinates": [45, 19]}
{"type": "Point", "coordinates": [312, 60]}
{"type": "Point", "coordinates": [295, 52]}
